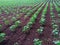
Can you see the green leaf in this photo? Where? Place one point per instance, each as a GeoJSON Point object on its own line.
{"type": "Point", "coordinates": [7, 22]}
{"type": "Point", "coordinates": [13, 27]}
{"type": "Point", "coordinates": [14, 19]}
{"type": "Point", "coordinates": [0, 27]}
{"type": "Point", "coordinates": [2, 36]}
{"type": "Point", "coordinates": [40, 30]}
{"type": "Point", "coordinates": [25, 28]}
{"type": "Point", "coordinates": [57, 42]}
{"type": "Point", "coordinates": [37, 42]}
{"type": "Point", "coordinates": [42, 21]}
{"type": "Point", "coordinates": [17, 23]}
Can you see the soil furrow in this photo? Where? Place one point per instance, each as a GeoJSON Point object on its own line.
{"type": "Point", "coordinates": [47, 38]}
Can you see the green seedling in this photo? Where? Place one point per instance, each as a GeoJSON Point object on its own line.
{"type": "Point", "coordinates": [13, 27]}
{"type": "Point", "coordinates": [55, 26]}
{"type": "Point", "coordinates": [2, 36]}
{"type": "Point", "coordinates": [17, 23]}
{"type": "Point", "coordinates": [6, 22]}
{"type": "Point", "coordinates": [25, 28]}
{"type": "Point", "coordinates": [16, 43]}
{"type": "Point", "coordinates": [40, 30]}
{"type": "Point", "coordinates": [55, 32]}
{"type": "Point", "coordinates": [57, 42]}
{"type": "Point", "coordinates": [0, 27]}
{"type": "Point", "coordinates": [13, 19]}
{"type": "Point", "coordinates": [37, 42]}
{"type": "Point", "coordinates": [42, 21]}
{"type": "Point", "coordinates": [30, 23]}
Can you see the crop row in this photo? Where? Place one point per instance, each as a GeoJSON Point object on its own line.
{"type": "Point", "coordinates": [14, 26]}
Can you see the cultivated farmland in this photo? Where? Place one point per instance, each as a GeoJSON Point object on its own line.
{"type": "Point", "coordinates": [29, 22]}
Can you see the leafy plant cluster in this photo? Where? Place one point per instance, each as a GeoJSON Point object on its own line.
{"type": "Point", "coordinates": [57, 8]}
{"type": "Point", "coordinates": [32, 20]}
{"type": "Point", "coordinates": [16, 24]}
{"type": "Point", "coordinates": [37, 42]}
{"type": "Point", "coordinates": [2, 36]}
{"type": "Point", "coordinates": [0, 27]}
{"type": "Point", "coordinates": [32, 10]}
{"type": "Point", "coordinates": [42, 20]}
{"type": "Point", "coordinates": [40, 30]}
{"type": "Point", "coordinates": [55, 31]}
{"type": "Point", "coordinates": [57, 42]}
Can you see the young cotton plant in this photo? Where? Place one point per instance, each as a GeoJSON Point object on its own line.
{"type": "Point", "coordinates": [59, 15]}
{"type": "Point", "coordinates": [6, 12]}
{"type": "Point", "coordinates": [16, 43]}
{"type": "Point", "coordinates": [54, 26]}
{"type": "Point", "coordinates": [37, 42]}
{"type": "Point", "coordinates": [32, 19]}
{"type": "Point", "coordinates": [13, 27]}
{"type": "Point", "coordinates": [57, 42]}
{"type": "Point", "coordinates": [44, 11]}
{"type": "Point", "coordinates": [3, 18]}
{"type": "Point", "coordinates": [25, 28]}
{"type": "Point", "coordinates": [43, 16]}
{"type": "Point", "coordinates": [13, 19]}
{"type": "Point", "coordinates": [53, 23]}
{"type": "Point", "coordinates": [42, 21]}
{"type": "Point", "coordinates": [58, 9]}
{"type": "Point", "coordinates": [55, 32]}
{"type": "Point", "coordinates": [17, 23]}
{"type": "Point", "coordinates": [17, 16]}
{"type": "Point", "coordinates": [2, 36]}
{"type": "Point", "coordinates": [0, 27]}
{"type": "Point", "coordinates": [53, 16]}
{"type": "Point", "coordinates": [30, 24]}
{"type": "Point", "coordinates": [40, 30]}
{"type": "Point", "coordinates": [7, 22]}
{"type": "Point", "coordinates": [0, 11]}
